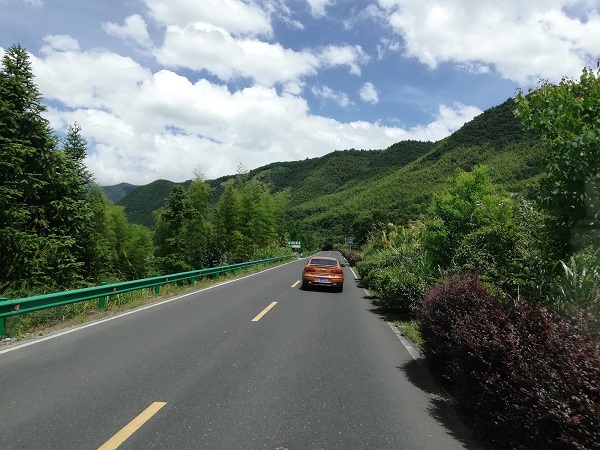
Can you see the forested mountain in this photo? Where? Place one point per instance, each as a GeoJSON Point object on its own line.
{"type": "Point", "coordinates": [331, 193]}
{"type": "Point", "coordinates": [141, 201]}
{"type": "Point", "coordinates": [118, 191]}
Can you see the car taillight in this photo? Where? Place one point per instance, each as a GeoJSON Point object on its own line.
{"type": "Point", "coordinates": [310, 269]}
{"type": "Point", "coordinates": [337, 271]}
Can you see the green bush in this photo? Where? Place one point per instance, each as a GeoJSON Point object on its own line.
{"type": "Point", "coordinates": [401, 287]}
{"type": "Point", "coordinates": [371, 264]}
{"type": "Point", "coordinates": [574, 292]}
{"type": "Point", "coordinates": [400, 272]}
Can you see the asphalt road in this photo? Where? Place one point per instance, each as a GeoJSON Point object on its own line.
{"type": "Point", "coordinates": [318, 370]}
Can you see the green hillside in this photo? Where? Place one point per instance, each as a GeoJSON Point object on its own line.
{"type": "Point", "coordinates": [143, 200]}
{"type": "Point", "coordinates": [118, 191]}
{"type": "Point", "coordinates": [492, 138]}
{"type": "Point", "coordinates": [330, 192]}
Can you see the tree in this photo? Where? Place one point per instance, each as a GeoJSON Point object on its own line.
{"type": "Point", "coordinates": [43, 216]}
{"type": "Point", "coordinates": [227, 219]}
{"type": "Point", "coordinates": [566, 116]}
{"type": "Point", "coordinates": [168, 235]}
{"type": "Point", "coordinates": [75, 146]}
{"type": "Point", "coordinates": [469, 203]}
{"type": "Point", "coordinates": [197, 233]}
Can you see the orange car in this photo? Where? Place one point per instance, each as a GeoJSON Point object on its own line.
{"type": "Point", "coordinates": [323, 271]}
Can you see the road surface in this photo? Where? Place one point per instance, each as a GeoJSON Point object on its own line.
{"type": "Point", "coordinates": [256, 363]}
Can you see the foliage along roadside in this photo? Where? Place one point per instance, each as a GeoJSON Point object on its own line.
{"type": "Point", "coordinates": [508, 290]}
{"type": "Point", "coordinates": [521, 377]}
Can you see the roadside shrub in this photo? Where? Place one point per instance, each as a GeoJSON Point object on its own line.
{"type": "Point", "coordinates": [577, 287]}
{"type": "Point", "coordinates": [369, 267]}
{"type": "Point", "coordinates": [401, 287]}
{"type": "Point", "coordinates": [525, 379]}
{"type": "Point", "coordinates": [351, 256]}
{"type": "Point", "coordinates": [401, 273]}
{"type": "Point", "coordinates": [443, 306]}
{"type": "Point", "coordinates": [503, 257]}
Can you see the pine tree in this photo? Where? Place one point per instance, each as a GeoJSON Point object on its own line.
{"type": "Point", "coordinates": [43, 208]}
{"type": "Point", "coordinates": [171, 221]}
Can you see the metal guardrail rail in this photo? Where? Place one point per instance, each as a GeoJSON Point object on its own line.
{"type": "Point", "coordinates": [14, 307]}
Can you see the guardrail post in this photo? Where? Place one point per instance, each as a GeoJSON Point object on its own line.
{"type": "Point", "coordinates": [157, 289]}
{"type": "Point", "coordinates": [102, 300]}
{"type": "Point", "coordinates": [2, 321]}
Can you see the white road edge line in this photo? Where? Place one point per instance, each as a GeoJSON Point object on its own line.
{"type": "Point", "coordinates": [133, 311]}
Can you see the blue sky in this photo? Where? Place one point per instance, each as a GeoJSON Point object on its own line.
{"type": "Point", "coordinates": [164, 89]}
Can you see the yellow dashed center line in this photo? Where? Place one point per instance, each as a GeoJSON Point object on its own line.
{"type": "Point", "coordinates": [296, 284]}
{"type": "Point", "coordinates": [132, 426]}
{"type": "Point", "coordinates": [264, 311]}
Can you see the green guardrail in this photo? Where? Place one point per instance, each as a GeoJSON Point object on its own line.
{"type": "Point", "coordinates": [14, 307]}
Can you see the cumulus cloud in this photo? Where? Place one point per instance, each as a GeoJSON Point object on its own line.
{"type": "Point", "coordinates": [134, 29]}
{"type": "Point", "coordinates": [143, 125]}
{"type": "Point", "coordinates": [235, 16]}
{"type": "Point", "coordinates": [348, 55]}
{"type": "Point", "coordinates": [59, 42]}
{"type": "Point", "coordinates": [318, 8]}
{"type": "Point", "coordinates": [201, 46]}
{"type": "Point", "coordinates": [340, 98]}
{"type": "Point", "coordinates": [521, 40]}
{"type": "Point", "coordinates": [368, 94]}
{"type": "Point", "coordinates": [190, 109]}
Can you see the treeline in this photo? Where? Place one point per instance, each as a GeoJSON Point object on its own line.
{"type": "Point", "coordinates": [59, 231]}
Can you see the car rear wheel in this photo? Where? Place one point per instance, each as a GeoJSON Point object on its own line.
{"type": "Point", "coordinates": [340, 287]}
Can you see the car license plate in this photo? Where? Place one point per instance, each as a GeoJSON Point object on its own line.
{"type": "Point", "coordinates": [323, 280]}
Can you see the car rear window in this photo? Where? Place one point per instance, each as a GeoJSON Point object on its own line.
{"type": "Point", "coordinates": [323, 262]}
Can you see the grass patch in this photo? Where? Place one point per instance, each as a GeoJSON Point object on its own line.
{"type": "Point", "coordinates": [411, 329]}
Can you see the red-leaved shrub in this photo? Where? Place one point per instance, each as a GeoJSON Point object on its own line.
{"type": "Point", "coordinates": [524, 378]}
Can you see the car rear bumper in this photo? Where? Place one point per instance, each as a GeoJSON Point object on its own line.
{"type": "Point", "coordinates": [334, 283]}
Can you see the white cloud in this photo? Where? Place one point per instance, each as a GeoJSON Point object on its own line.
{"type": "Point", "coordinates": [326, 92]}
{"type": "Point", "coordinates": [318, 8]}
{"type": "Point", "coordinates": [203, 46]}
{"type": "Point", "coordinates": [523, 41]}
{"type": "Point", "coordinates": [387, 46]}
{"type": "Point", "coordinates": [235, 16]}
{"type": "Point", "coordinates": [134, 29]}
{"type": "Point", "coordinates": [447, 120]}
{"type": "Point", "coordinates": [347, 55]}
{"type": "Point", "coordinates": [60, 42]}
{"type": "Point", "coordinates": [368, 94]}
{"type": "Point", "coordinates": [142, 126]}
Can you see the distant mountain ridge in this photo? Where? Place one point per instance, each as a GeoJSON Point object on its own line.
{"type": "Point", "coordinates": [331, 191]}
{"type": "Point", "coordinates": [118, 191]}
